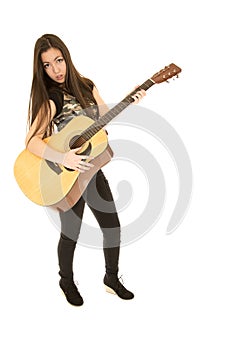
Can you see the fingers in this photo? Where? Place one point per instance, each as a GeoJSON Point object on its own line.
{"type": "Point", "coordinates": [138, 96]}
{"type": "Point", "coordinates": [83, 166]}
{"type": "Point", "coordinates": [79, 162]}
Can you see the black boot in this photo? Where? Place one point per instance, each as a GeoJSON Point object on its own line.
{"type": "Point", "coordinates": [111, 281]}
{"type": "Point", "coordinates": [66, 249]}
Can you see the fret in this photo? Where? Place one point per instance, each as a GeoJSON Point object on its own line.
{"type": "Point", "coordinates": [161, 76]}
{"type": "Point", "coordinates": [107, 117]}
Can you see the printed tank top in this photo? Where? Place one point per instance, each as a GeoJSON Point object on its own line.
{"type": "Point", "coordinates": [70, 109]}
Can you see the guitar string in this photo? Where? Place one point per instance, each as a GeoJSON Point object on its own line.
{"type": "Point", "coordinates": [90, 131]}
{"type": "Point", "coordinates": [106, 118]}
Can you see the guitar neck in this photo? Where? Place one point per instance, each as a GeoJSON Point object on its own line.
{"type": "Point", "coordinates": [112, 113]}
{"type": "Point", "coordinates": [163, 75]}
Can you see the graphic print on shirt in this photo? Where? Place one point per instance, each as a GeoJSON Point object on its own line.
{"type": "Point", "coordinates": [71, 109]}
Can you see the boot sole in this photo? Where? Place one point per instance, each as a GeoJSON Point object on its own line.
{"type": "Point", "coordinates": [109, 290]}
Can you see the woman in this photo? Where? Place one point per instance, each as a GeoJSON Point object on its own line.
{"type": "Point", "coordinates": [58, 94]}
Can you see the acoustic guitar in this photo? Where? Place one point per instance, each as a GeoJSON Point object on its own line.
{"type": "Point", "coordinates": [53, 185]}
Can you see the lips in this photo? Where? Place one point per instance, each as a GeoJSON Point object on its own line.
{"type": "Point", "coordinates": [59, 77]}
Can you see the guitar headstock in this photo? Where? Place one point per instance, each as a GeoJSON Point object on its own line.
{"type": "Point", "coordinates": [166, 73]}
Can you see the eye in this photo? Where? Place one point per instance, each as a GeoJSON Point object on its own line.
{"type": "Point", "coordinates": [46, 66]}
{"type": "Point", "coordinates": [60, 59]}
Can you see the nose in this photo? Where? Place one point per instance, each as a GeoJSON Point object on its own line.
{"type": "Point", "coordinates": [55, 69]}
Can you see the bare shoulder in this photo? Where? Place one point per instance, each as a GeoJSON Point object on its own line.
{"type": "Point", "coordinates": [97, 96]}
{"type": "Point", "coordinates": [40, 123]}
{"type": "Point", "coordinates": [103, 108]}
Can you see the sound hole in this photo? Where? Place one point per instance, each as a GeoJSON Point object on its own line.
{"type": "Point", "coordinates": [78, 141]}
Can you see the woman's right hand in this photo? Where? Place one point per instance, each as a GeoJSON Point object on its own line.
{"type": "Point", "coordinates": [77, 162]}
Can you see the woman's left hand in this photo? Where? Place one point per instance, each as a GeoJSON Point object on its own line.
{"type": "Point", "coordinates": [138, 96]}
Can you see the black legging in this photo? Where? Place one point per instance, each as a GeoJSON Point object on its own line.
{"type": "Point", "coordinates": [99, 198]}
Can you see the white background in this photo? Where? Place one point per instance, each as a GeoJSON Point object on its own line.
{"type": "Point", "coordinates": [182, 282]}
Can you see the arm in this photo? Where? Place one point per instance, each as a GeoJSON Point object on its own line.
{"type": "Point", "coordinates": [37, 146]}
{"type": "Point", "coordinates": [103, 108]}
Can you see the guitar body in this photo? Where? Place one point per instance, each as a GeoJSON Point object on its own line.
{"type": "Point", "coordinates": [46, 183]}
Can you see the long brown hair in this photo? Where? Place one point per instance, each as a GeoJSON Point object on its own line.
{"type": "Point", "coordinates": [77, 85]}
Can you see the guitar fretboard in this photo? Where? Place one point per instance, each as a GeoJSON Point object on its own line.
{"type": "Point", "coordinates": [112, 113]}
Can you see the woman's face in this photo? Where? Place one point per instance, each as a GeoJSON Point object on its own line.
{"type": "Point", "coordinates": [54, 64]}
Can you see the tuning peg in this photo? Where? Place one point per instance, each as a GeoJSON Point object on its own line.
{"type": "Point", "coordinates": [176, 77]}
{"type": "Point", "coordinates": [167, 81]}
